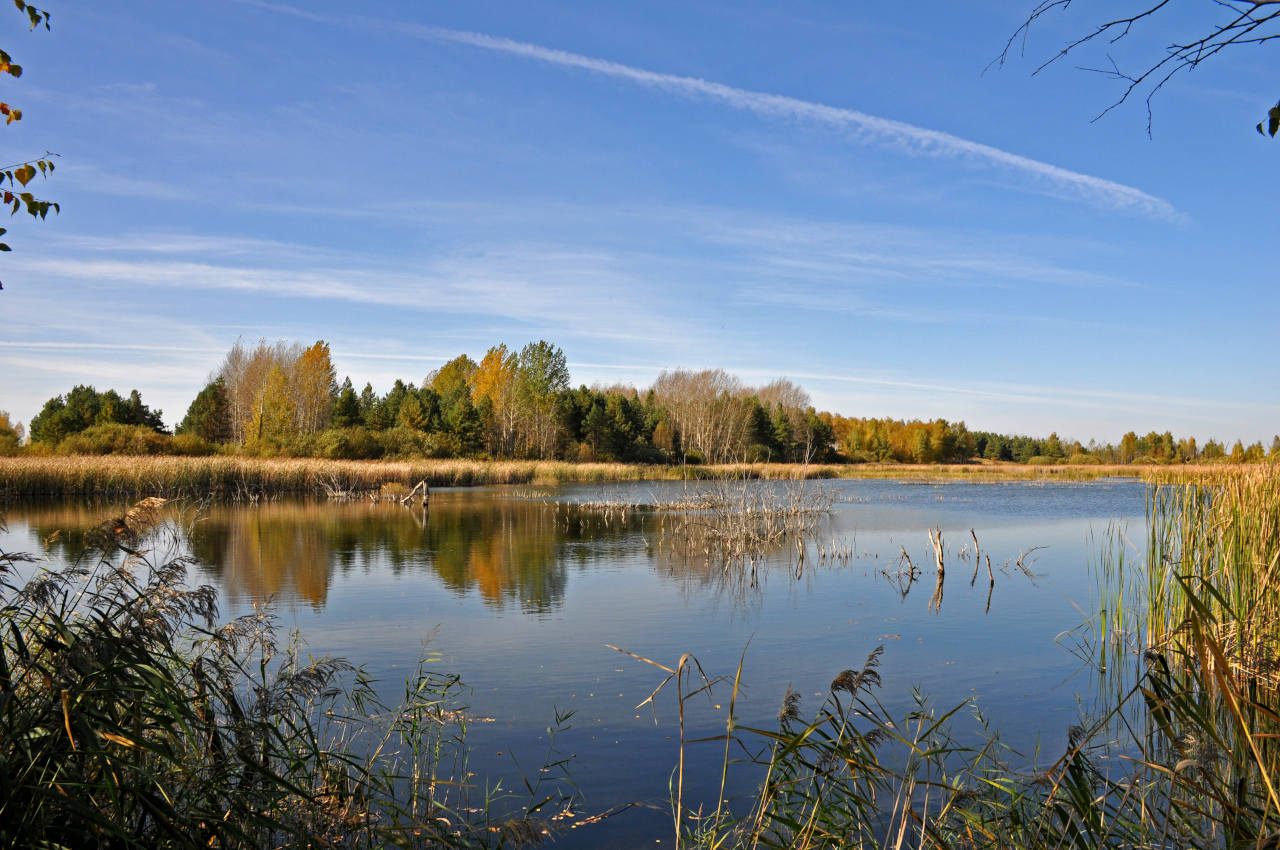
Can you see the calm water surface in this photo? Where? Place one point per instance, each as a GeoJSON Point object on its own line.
{"type": "Point", "coordinates": [519, 593]}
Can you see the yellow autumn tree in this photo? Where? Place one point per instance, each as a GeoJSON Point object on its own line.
{"type": "Point", "coordinates": [313, 387]}
{"type": "Point", "coordinates": [244, 373]}
{"type": "Point", "coordinates": [10, 435]}
{"type": "Point", "coordinates": [494, 380]}
{"type": "Point", "coordinates": [452, 379]}
{"type": "Point", "coordinates": [274, 413]}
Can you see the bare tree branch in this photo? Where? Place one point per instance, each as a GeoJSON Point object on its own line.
{"type": "Point", "coordinates": [1245, 22]}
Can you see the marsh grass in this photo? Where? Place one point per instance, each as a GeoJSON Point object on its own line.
{"type": "Point", "coordinates": [250, 478]}
{"type": "Point", "coordinates": [733, 525]}
{"type": "Point", "coordinates": [128, 718]}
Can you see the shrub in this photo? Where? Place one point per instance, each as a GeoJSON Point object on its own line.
{"type": "Point", "coordinates": [645, 453]}
{"type": "Point", "coordinates": [405, 442]}
{"type": "Point", "coordinates": [1082, 459]}
{"type": "Point", "coordinates": [115, 439]}
{"type": "Point", "coordinates": [191, 445]}
{"type": "Point", "coordinates": [354, 443]}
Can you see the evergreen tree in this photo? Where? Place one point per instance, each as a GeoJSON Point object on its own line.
{"type": "Point", "coordinates": [137, 413]}
{"type": "Point", "coordinates": [409, 413]}
{"type": "Point", "coordinates": [463, 421]}
{"type": "Point", "coordinates": [207, 417]}
{"type": "Point", "coordinates": [780, 444]}
{"type": "Point", "coordinates": [622, 428]}
{"type": "Point", "coordinates": [85, 407]}
{"type": "Point", "coordinates": [369, 403]}
{"type": "Point", "coordinates": [346, 408]}
{"type": "Point", "coordinates": [760, 429]}
{"type": "Point", "coordinates": [595, 429]}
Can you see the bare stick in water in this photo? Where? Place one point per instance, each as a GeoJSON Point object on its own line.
{"type": "Point", "coordinates": [977, 556]}
{"type": "Point", "coordinates": [935, 537]}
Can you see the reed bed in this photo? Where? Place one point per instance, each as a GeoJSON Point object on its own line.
{"type": "Point", "coordinates": [129, 719]}
{"type": "Point", "coordinates": [1214, 552]}
{"type": "Point", "coordinates": [1180, 749]}
{"type": "Point", "coordinates": [733, 525]}
{"type": "Point", "coordinates": [234, 477]}
{"type": "Point", "coordinates": [241, 477]}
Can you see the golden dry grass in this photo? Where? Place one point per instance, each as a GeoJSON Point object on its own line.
{"type": "Point", "coordinates": [113, 475]}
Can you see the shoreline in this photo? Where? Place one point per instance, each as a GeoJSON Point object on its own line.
{"type": "Point", "coordinates": [241, 477]}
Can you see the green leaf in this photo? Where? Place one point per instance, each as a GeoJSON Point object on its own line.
{"type": "Point", "coordinates": [1272, 124]}
{"type": "Point", "coordinates": [4, 247]}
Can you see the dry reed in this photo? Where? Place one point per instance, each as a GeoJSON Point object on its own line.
{"type": "Point", "coordinates": [231, 477]}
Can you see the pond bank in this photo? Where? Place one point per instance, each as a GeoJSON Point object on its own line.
{"type": "Point", "coordinates": [239, 477]}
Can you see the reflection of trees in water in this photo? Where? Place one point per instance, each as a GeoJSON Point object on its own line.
{"type": "Point", "coordinates": [508, 551]}
{"type": "Point", "coordinates": [518, 551]}
{"type": "Point", "coordinates": [63, 528]}
{"type": "Point", "coordinates": [272, 549]}
{"type": "Point", "coordinates": [505, 550]}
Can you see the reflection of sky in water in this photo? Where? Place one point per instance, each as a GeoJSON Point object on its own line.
{"type": "Point", "coordinates": [520, 597]}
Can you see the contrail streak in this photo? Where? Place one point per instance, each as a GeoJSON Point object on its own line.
{"type": "Point", "coordinates": [908, 138]}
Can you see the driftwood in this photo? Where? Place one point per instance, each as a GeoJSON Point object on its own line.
{"type": "Point", "coordinates": [426, 493]}
{"type": "Point", "coordinates": [935, 537]}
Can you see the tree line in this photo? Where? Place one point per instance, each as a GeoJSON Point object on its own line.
{"type": "Point", "coordinates": [284, 399]}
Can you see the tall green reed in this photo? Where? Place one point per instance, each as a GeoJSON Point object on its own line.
{"type": "Point", "coordinates": [128, 718]}
{"type": "Point", "coordinates": [1180, 748]}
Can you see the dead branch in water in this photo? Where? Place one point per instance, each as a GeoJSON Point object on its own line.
{"type": "Point", "coordinates": [935, 538]}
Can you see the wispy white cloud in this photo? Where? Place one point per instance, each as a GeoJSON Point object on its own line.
{"type": "Point", "coordinates": [563, 290]}
{"type": "Point", "coordinates": [90, 179]}
{"type": "Point", "coordinates": [900, 135]}
{"type": "Point", "coordinates": [1051, 398]}
{"type": "Point", "coordinates": [48, 345]}
{"type": "Point", "coordinates": [863, 127]}
{"type": "Point", "coordinates": [191, 244]}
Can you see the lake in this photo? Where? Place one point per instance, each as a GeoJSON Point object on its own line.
{"type": "Point", "coordinates": [521, 592]}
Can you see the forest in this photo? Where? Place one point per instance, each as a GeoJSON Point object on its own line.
{"type": "Point", "coordinates": [284, 400]}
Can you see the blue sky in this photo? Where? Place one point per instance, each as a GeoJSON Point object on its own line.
{"type": "Point", "coordinates": [831, 192]}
